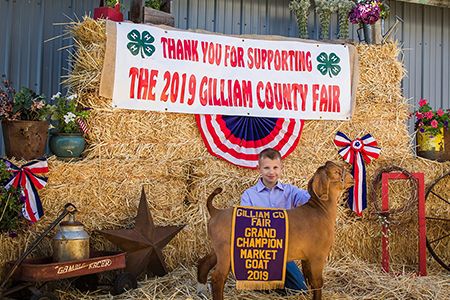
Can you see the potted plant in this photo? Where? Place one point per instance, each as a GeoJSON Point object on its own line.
{"type": "Point", "coordinates": [109, 11]}
{"type": "Point", "coordinates": [67, 142]}
{"type": "Point", "coordinates": [300, 8]}
{"type": "Point", "coordinates": [24, 117]}
{"type": "Point", "coordinates": [432, 136]}
{"type": "Point", "coordinates": [12, 201]}
{"type": "Point", "coordinates": [367, 14]}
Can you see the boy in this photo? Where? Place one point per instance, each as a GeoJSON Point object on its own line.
{"type": "Point", "coordinates": [271, 193]}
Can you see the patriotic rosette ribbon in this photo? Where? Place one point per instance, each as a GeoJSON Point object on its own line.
{"type": "Point", "coordinates": [26, 178]}
{"type": "Point", "coordinates": [356, 152]}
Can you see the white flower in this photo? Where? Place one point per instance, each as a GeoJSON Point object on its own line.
{"type": "Point", "coordinates": [70, 117]}
{"type": "Point", "coordinates": [71, 97]}
{"type": "Point", "coordinates": [57, 95]}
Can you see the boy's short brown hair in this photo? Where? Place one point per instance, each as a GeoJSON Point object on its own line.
{"type": "Point", "coordinates": [270, 153]}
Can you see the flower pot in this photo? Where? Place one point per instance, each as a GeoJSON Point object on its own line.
{"type": "Point", "coordinates": [434, 148]}
{"type": "Point", "coordinates": [107, 12]}
{"type": "Point", "coordinates": [66, 145]}
{"type": "Point", "coordinates": [25, 139]}
{"type": "Point", "coordinates": [372, 33]}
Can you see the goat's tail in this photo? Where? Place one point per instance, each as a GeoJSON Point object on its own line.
{"type": "Point", "coordinates": [212, 210]}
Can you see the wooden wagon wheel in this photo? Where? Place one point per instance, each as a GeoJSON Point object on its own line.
{"type": "Point", "coordinates": [437, 201]}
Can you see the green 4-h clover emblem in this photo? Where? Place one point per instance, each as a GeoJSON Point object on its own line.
{"type": "Point", "coordinates": [328, 65]}
{"type": "Point", "coordinates": [142, 45]}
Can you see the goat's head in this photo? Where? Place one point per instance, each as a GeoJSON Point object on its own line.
{"type": "Point", "coordinates": [329, 177]}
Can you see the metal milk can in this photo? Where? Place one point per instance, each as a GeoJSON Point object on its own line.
{"type": "Point", "coordinates": [71, 242]}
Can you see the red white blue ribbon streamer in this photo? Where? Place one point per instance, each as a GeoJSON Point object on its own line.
{"type": "Point", "coordinates": [356, 152]}
{"type": "Point", "coordinates": [25, 177]}
{"type": "Point", "coordinates": [239, 139]}
{"type": "Point", "coordinates": [82, 125]}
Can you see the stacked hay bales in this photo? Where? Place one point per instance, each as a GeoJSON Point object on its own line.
{"type": "Point", "coordinates": [165, 154]}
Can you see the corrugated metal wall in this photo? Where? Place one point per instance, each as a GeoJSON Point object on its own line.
{"type": "Point", "coordinates": [32, 56]}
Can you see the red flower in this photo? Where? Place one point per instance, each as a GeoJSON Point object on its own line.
{"type": "Point", "coordinates": [422, 102]}
{"type": "Point", "coordinates": [440, 112]}
{"type": "Point", "coordinates": [434, 124]}
{"type": "Point", "coordinates": [429, 114]}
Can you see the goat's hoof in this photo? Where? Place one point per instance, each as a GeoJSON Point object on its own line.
{"type": "Point", "coordinates": [201, 288]}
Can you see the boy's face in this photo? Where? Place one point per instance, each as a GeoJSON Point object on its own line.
{"type": "Point", "coordinates": [270, 170]}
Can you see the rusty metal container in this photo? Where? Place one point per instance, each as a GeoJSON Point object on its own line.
{"type": "Point", "coordinates": [71, 242]}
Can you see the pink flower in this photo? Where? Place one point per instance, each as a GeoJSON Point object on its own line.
{"type": "Point", "coordinates": [423, 102]}
{"type": "Point", "coordinates": [440, 112]}
{"type": "Point", "coordinates": [429, 114]}
{"type": "Point", "coordinates": [434, 124]}
{"type": "Point", "coordinates": [419, 115]}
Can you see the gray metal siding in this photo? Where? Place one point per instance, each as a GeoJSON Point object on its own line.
{"type": "Point", "coordinates": [32, 56]}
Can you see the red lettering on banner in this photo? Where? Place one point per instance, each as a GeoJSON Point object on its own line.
{"type": "Point", "coordinates": [143, 84]}
{"type": "Point", "coordinates": [183, 86]}
{"type": "Point", "coordinates": [284, 57]}
{"type": "Point", "coordinates": [259, 87]}
{"type": "Point", "coordinates": [234, 56]}
{"type": "Point", "coordinates": [247, 93]}
{"type": "Point", "coordinates": [323, 106]}
{"type": "Point", "coordinates": [336, 105]}
{"type": "Point", "coordinates": [239, 93]}
{"type": "Point", "coordinates": [303, 90]}
{"type": "Point", "coordinates": [192, 85]}
{"type": "Point", "coordinates": [328, 98]}
{"type": "Point", "coordinates": [287, 100]}
{"type": "Point", "coordinates": [165, 94]}
{"type": "Point", "coordinates": [308, 61]}
{"type": "Point", "coordinates": [174, 87]}
{"type": "Point", "coordinates": [134, 73]}
{"type": "Point", "coordinates": [278, 96]}
{"type": "Point", "coordinates": [269, 59]}
{"type": "Point", "coordinates": [204, 94]}
{"type": "Point", "coordinates": [315, 95]}
{"type": "Point", "coordinates": [269, 96]}
{"type": "Point", "coordinates": [180, 50]}
{"type": "Point", "coordinates": [153, 76]}
{"type": "Point", "coordinates": [212, 52]}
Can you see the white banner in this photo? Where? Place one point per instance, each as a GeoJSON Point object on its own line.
{"type": "Point", "coordinates": [178, 71]}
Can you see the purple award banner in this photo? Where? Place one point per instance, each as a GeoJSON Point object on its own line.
{"type": "Point", "coordinates": [259, 241]}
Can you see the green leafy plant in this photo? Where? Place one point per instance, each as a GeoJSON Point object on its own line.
{"type": "Point", "coordinates": [431, 121]}
{"type": "Point", "coordinates": [24, 105]}
{"type": "Point", "coordinates": [112, 3]}
{"type": "Point", "coordinates": [344, 9]}
{"type": "Point", "coordinates": [11, 204]}
{"type": "Point", "coordinates": [324, 9]}
{"type": "Point", "coordinates": [155, 4]}
{"type": "Point", "coordinates": [300, 8]}
{"type": "Point", "coordinates": [66, 111]}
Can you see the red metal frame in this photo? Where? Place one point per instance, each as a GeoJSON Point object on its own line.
{"type": "Point", "coordinates": [422, 226]}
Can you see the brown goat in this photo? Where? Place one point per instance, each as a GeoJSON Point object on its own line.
{"type": "Point", "coordinates": [311, 231]}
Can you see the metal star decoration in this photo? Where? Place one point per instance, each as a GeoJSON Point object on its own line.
{"type": "Point", "coordinates": [144, 242]}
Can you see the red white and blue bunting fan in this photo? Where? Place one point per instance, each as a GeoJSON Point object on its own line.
{"type": "Point", "coordinates": [25, 177]}
{"type": "Point", "coordinates": [356, 152]}
{"type": "Point", "coordinates": [239, 139]}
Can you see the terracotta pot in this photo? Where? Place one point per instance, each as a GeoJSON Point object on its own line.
{"type": "Point", "coordinates": [25, 139]}
{"type": "Point", "coordinates": [435, 148]}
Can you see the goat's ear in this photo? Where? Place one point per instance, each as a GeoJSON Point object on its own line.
{"type": "Point", "coordinates": [320, 185]}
